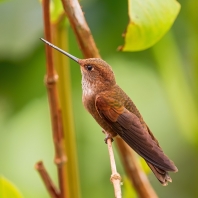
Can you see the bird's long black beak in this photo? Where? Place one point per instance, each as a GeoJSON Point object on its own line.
{"type": "Point", "coordinates": [60, 50]}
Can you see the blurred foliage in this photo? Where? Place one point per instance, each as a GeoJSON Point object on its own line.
{"type": "Point", "coordinates": [56, 10]}
{"type": "Point", "coordinates": [25, 135]}
{"type": "Point", "coordinates": [8, 190]}
{"type": "Point", "coordinates": [128, 191]}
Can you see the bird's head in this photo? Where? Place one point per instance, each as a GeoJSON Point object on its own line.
{"type": "Point", "coordinates": [94, 71]}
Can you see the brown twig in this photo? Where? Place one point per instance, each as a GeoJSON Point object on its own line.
{"type": "Point", "coordinates": [89, 49]}
{"type": "Point", "coordinates": [56, 118]}
{"type": "Point", "coordinates": [134, 171]}
{"type": "Point", "coordinates": [53, 191]}
{"type": "Point", "coordinates": [115, 176]}
{"type": "Point", "coordinates": [77, 20]}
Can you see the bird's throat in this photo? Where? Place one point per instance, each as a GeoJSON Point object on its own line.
{"type": "Point", "coordinates": [88, 88]}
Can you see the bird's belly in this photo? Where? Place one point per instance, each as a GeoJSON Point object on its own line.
{"type": "Point", "coordinates": [90, 106]}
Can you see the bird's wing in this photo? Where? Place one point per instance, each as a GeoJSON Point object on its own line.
{"type": "Point", "coordinates": [130, 129]}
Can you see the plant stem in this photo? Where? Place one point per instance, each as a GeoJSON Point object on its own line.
{"type": "Point", "coordinates": [61, 63]}
{"type": "Point", "coordinates": [81, 29]}
{"type": "Point", "coordinates": [115, 176]}
{"type": "Point", "coordinates": [56, 117]}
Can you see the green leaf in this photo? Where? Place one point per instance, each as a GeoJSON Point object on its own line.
{"type": "Point", "coordinates": [149, 20]}
{"type": "Point", "coordinates": [8, 190]}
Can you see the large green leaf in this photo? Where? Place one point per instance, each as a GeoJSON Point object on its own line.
{"type": "Point", "coordinates": [149, 20]}
{"type": "Point", "coordinates": [8, 190]}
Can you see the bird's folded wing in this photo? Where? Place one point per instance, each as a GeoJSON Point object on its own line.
{"type": "Point", "coordinates": [130, 129]}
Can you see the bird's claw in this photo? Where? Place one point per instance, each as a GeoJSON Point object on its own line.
{"type": "Point", "coordinates": [108, 136]}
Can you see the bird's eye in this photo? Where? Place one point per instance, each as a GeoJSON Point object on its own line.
{"type": "Point", "coordinates": [89, 67]}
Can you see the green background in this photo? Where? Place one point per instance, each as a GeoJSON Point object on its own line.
{"type": "Point", "coordinates": [25, 129]}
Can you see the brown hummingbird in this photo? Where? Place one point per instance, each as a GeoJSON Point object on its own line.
{"type": "Point", "coordinates": [115, 112]}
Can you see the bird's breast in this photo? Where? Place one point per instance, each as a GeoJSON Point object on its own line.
{"type": "Point", "coordinates": [88, 99]}
{"type": "Point", "coordinates": [87, 87]}
{"type": "Point", "coordinates": [87, 92]}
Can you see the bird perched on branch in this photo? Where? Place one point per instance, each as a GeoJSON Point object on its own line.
{"type": "Point", "coordinates": [116, 113]}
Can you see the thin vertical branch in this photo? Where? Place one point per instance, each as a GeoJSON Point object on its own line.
{"type": "Point", "coordinates": [89, 49]}
{"type": "Point", "coordinates": [115, 176]}
{"type": "Point", "coordinates": [46, 18]}
{"type": "Point", "coordinates": [56, 117]}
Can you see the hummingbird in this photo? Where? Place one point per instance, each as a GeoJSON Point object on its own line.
{"type": "Point", "coordinates": [116, 113]}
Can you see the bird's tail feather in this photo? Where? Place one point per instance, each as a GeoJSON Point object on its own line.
{"type": "Point", "coordinates": [161, 175]}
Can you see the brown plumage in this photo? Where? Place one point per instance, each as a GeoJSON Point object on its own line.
{"type": "Point", "coordinates": [117, 115]}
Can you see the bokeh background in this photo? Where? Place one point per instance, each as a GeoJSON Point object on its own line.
{"type": "Point", "coordinates": [148, 77]}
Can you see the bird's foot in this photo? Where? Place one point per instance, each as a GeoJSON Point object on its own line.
{"type": "Point", "coordinates": [108, 136]}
